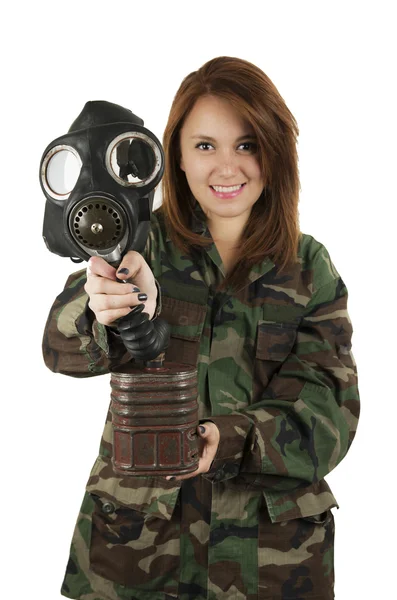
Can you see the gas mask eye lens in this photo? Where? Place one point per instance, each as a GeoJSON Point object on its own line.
{"type": "Point", "coordinates": [133, 159]}
{"type": "Point", "coordinates": [60, 171]}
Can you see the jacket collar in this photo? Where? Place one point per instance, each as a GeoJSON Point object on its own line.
{"type": "Point", "coordinates": [198, 221]}
{"type": "Point", "coordinates": [198, 225]}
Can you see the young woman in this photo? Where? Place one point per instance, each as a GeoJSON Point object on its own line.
{"type": "Point", "coordinates": [261, 310]}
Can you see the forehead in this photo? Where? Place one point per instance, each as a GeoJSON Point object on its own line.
{"type": "Point", "coordinates": [216, 117]}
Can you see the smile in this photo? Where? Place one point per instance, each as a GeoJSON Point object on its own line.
{"type": "Point", "coordinates": [227, 192]}
{"type": "Point", "coordinates": [227, 189]}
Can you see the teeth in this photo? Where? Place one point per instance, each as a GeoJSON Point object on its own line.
{"type": "Point", "coordinates": [231, 188]}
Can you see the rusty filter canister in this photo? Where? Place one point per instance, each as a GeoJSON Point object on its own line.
{"type": "Point", "coordinates": [155, 417]}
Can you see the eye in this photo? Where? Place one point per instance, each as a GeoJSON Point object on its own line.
{"type": "Point", "coordinates": [249, 147]}
{"type": "Point", "coordinates": [204, 146]}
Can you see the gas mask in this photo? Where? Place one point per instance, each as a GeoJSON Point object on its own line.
{"type": "Point", "coordinates": [99, 181]}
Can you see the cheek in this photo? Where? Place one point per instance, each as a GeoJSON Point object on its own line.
{"type": "Point", "coordinates": [254, 172]}
{"type": "Point", "coordinates": [196, 171]}
{"type": "Point", "coordinates": [255, 167]}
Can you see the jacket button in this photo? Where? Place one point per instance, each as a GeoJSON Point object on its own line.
{"type": "Point", "coordinates": [219, 474]}
{"type": "Point", "coordinates": [108, 508]}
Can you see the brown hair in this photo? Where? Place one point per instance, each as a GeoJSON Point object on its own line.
{"type": "Point", "coordinates": [273, 225]}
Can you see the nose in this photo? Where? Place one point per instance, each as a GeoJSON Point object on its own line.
{"type": "Point", "coordinates": [227, 164]}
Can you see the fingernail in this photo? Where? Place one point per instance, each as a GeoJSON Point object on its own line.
{"type": "Point", "coordinates": [135, 289]}
{"type": "Point", "coordinates": [142, 297]}
{"type": "Point", "coordinates": [169, 477]}
{"type": "Point", "coordinates": [202, 429]}
{"type": "Point", "coordinates": [123, 270]}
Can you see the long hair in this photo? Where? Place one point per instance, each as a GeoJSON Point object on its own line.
{"type": "Point", "coordinates": [272, 228]}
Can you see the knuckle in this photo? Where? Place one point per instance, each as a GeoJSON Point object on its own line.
{"type": "Point", "coordinates": [106, 303]}
{"type": "Point", "coordinates": [88, 286]}
{"type": "Point", "coordinates": [101, 319]}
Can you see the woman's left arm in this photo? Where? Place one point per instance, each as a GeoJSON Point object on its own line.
{"type": "Point", "coordinates": [307, 417]}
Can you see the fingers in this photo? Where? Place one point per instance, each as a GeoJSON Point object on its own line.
{"type": "Point", "coordinates": [130, 265]}
{"type": "Point", "coordinates": [209, 432]}
{"type": "Point", "coordinates": [109, 308]}
{"type": "Point", "coordinates": [100, 285]}
{"type": "Point", "coordinates": [108, 317]}
{"type": "Point", "coordinates": [210, 438]}
{"type": "Point", "coordinates": [98, 266]}
{"type": "Point", "coordinates": [111, 302]}
{"type": "Point", "coordinates": [128, 268]}
{"type": "Point", "coordinates": [110, 299]}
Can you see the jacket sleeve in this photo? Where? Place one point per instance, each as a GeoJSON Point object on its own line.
{"type": "Point", "coordinates": [74, 343]}
{"type": "Point", "coordinates": [307, 417]}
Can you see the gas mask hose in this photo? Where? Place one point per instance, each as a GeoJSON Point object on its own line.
{"type": "Point", "coordinates": [144, 339]}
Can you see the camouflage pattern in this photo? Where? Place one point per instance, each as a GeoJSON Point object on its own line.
{"type": "Point", "coordinates": [278, 377]}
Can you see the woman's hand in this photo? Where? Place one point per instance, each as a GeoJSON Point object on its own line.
{"type": "Point", "coordinates": [109, 299]}
{"type": "Point", "coordinates": [208, 446]}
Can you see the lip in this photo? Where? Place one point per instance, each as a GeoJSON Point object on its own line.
{"type": "Point", "coordinates": [225, 195]}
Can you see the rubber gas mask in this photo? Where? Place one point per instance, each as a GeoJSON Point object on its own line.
{"type": "Point", "coordinates": [99, 181]}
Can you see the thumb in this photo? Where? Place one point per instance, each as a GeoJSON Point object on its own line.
{"type": "Point", "coordinates": [134, 269]}
{"type": "Point", "coordinates": [130, 265]}
{"type": "Point", "coordinates": [209, 431]}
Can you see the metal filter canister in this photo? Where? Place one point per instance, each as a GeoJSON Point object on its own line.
{"type": "Point", "coordinates": [155, 418]}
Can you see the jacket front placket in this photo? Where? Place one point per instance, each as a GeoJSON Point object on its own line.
{"type": "Point", "coordinates": [234, 514]}
{"type": "Point", "coordinates": [225, 303]}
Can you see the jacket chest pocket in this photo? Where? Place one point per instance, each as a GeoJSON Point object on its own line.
{"type": "Point", "coordinates": [186, 320]}
{"type": "Point", "coordinates": [274, 342]}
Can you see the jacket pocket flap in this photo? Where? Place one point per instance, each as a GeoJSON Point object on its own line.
{"type": "Point", "coordinates": [308, 502]}
{"type": "Point", "coordinates": [152, 495]}
{"type": "Point", "coordinates": [275, 340]}
{"type": "Point", "coordinates": [185, 318]}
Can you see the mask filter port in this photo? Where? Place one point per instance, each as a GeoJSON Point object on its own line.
{"type": "Point", "coordinates": [97, 223]}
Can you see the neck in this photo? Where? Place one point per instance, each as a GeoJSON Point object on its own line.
{"type": "Point", "coordinates": [226, 231]}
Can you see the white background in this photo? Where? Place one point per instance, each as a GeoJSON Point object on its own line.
{"type": "Point", "coordinates": [333, 64]}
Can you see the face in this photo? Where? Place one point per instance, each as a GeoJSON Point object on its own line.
{"type": "Point", "coordinates": [220, 160]}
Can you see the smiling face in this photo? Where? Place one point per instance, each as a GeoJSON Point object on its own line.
{"type": "Point", "coordinates": [219, 157]}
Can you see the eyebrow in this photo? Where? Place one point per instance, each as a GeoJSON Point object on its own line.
{"type": "Point", "coordinates": [249, 136]}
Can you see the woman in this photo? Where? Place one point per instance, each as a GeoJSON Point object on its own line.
{"type": "Point", "coordinates": [261, 310]}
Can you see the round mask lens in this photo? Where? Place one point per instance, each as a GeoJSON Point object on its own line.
{"type": "Point", "coordinates": [133, 159]}
{"type": "Point", "coordinates": [62, 170]}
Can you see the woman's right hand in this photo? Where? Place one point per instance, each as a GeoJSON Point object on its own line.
{"type": "Point", "coordinates": [108, 299]}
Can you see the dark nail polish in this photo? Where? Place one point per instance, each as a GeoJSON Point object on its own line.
{"type": "Point", "coordinates": [135, 289]}
{"type": "Point", "coordinates": [123, 270]}
{"type": "Point", "coordinates": [171, 478]}
{"type": "Point", "coordinates": [142, 297]}
{"type": "Point", "coordinates": [202, 429]}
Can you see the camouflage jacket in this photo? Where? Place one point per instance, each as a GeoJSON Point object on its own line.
{"type": "Point", "coordinates": [276, 374]}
